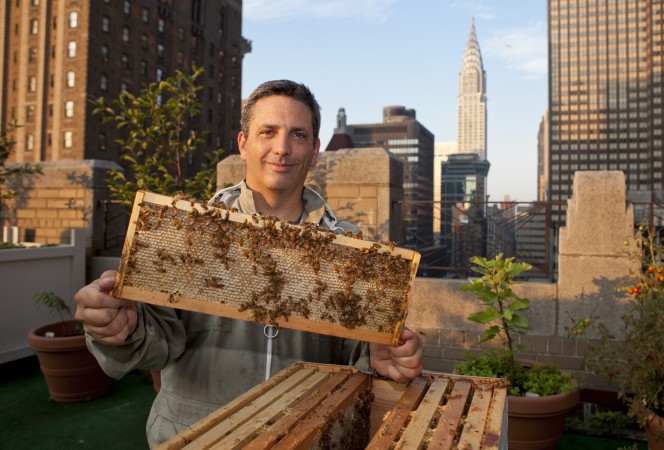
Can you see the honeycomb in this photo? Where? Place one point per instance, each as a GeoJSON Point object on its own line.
{"type": "Point", "coordinates": [189, 255]}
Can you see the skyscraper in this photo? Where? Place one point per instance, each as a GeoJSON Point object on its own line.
{"type": "Point", "coordinates": [56, 56]}
{"type": "Point", "coordinates": [410, 141]}
{"type": "Point", "coordinates": [606, 82]}
{"type": "Point", "coordinates": [471, 107]}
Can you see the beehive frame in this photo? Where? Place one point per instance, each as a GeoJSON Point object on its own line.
{"type": "Point", "coordinates": [192, 256]}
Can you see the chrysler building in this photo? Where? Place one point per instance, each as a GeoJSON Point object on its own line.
{"type": "Point", "coordinates": [471, 107]}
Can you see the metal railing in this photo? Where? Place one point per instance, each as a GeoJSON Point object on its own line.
{"type": "Point", "coordinates": [523, 230]}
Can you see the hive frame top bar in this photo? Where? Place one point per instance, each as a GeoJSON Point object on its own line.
{"type": "Point", "coordinates": [163, 256]}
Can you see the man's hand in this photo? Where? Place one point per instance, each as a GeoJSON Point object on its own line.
{"type": "Point", "coordinates": [106, 319]}
{"type": "Point", "coordinates": [401, 363]}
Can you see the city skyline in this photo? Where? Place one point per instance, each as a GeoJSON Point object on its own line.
{"type": "Point", "coordinates": [364, 55]}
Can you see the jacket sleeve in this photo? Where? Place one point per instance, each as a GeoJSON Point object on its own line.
{"type": "Point", "coordinates": [357, 354]}
{"type": "Point", "coordinates": [159, 338]}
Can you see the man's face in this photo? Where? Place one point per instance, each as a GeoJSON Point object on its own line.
{"type": "Point", "coordinates": [279, 147]}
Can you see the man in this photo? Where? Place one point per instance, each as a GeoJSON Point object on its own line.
{"type": "Point", "coordinates": [205, 360]}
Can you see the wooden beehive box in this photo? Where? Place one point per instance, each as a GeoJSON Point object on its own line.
{"type": "Point", "coordinates": [325, 406]}
{"type": "Point", "coordinates": [197, 257]}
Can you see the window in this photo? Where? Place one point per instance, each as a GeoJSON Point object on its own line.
{"type": "Point", "coordinates": [144, 41]}
{"type": "Point", "coordinates": [32, 84]}
{"type": "Point", "coordinates": [73, 19]}
{"type": "Point", "coordinates": [127, 7]}
{"type": "Point", "coordinates": [68, 139]}
{"type": "Point", "coordinates": [32, 54]}
{"type": "Point", "coordinates": [160, 74]}
{"type": "Point", "coordinates": [125, 61]}
{"type": "Point", "coordinates": [29, 142]}
{"type": "Point", "coordinates": [161, 26]}
{"type": "Point", "coordinates": [145, 15]}
{"type": "Point", "coordinates": [125, 34]}
{"type": "Point", "coordinates": [69, 108]}
{"type": "Point", "coordinates": [123, 87]}
{"type": "Point", "coordinates": [104, 52]}
{"type": "Point", "coordinates": [102, 142]}
{"type": "Point", "coordinates": [30, 113]}
{"type": "Point", "coordinates": [71, 49]}
{"type": "Point", "coordinates": [106, 24]}
{"type": "Point", "coordinates": [34, 26]}
{"type": "Point", "coordinates": [35, 2]}
{"type": "Point", "coordinates": [144, 67]}
{"type": "Point", "coordinates": [160, 50]}
{"type": "Point", "coordinates": [103, 82]}
{"type": "Point", "coordinates": [70, 78]}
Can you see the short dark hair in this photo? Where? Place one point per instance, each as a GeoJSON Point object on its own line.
{"type": "Point", "coordinates": [296, 91]}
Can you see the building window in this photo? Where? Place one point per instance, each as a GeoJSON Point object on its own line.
{"type": "Point", "coordinates": [68, 139]}
{"type": "Point", "coordinates": [125, 34]}
{"type": "Point", "coordinates": [125, 61]}
{"type": "Point", "coordinates": [127, 7]}
{"type": "Point", "coordinates": [29, 143]}
{"type": "Point", "coordinates": [73, 19]}
{"type": "Point", "coordinates": [103, 82]}
{"type": "Point", "coordinates": [71, 49]}
{"type": "Point", "coordinates": [145, 15]}
{"type": "Point", "coordinates": [34, 26]}
{"type": "Point", "coordinates": [144, 41]}
{"type": "Point", "coordinates": [123, 87]}
{"type": "Point", "coordinates": [104, 52]}
{"type": "Point", "coordinates": [160, 74]}
{"type": "Point", "coordinates": [160, 50]}
{"type": "Point", "coordinates": [30, 113]}
{"type": "Point", "coordinates": [32, 54]}
{"type": "Point", "coordinates": [69, 108]}
{"type": "Point", "coordinates": [35, 2]}
{"type": "Point", "coordinates": [144, 67]}
{"type": "Point", "coordinates": [32, 84]}
{"type": "Point", "coordinates": [106, 24]}
{"type": "Point", "coordinates": [161, 26]}
{"type": "Point", "coordinates": [71, 78]}
{"type": "Point", "coordinates": [103, 145]}
{"type": "Point", "coordinates": [180, 58]}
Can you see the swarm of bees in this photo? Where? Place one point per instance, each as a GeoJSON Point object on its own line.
{"type": "Point", "coordinates": [270, 268]}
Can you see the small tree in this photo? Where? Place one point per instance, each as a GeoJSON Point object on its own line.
{"type": "Point", "coordinates": [10, 172]}
{"type": "Point", "coordinates": [158, 139]}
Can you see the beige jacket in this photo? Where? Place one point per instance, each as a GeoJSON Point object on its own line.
{"type": "Point", "coordinates": [206, 361]}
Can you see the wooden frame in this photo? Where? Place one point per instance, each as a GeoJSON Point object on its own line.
{"type": "Point", "coordinates": [306, 404]}
{"type": "Point", "coordinates": [192, 256]}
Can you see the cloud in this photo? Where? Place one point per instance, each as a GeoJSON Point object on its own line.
{"type": "Point", "coordinates": [523, 49]}
{"type": "Point", "coordinates": [278, 10]}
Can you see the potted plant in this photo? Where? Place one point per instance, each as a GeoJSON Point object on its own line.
{"type": "Point", "coordinates": [541, 396]}
{"type": "Point", "coordinates": [72, 374]}
{"type": "Point", "coordinates": [635, 361]}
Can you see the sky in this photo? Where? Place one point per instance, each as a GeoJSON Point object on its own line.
{"type": "Point", "coordinates": [362, 55]}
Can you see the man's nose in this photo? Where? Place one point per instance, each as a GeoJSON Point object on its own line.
{"type": "Point", "coordinates": [281, 145]}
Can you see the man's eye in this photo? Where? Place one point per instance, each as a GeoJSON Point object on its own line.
{"type": "Point", "coordinates": [300, 135]}
{"type": "Point", "coordinates": [266, 132]}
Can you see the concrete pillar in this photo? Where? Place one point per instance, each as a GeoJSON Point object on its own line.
{"type": "Point", "coordinates": [594, 260]}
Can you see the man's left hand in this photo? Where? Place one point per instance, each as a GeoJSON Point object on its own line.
{"type": "Point", "coordinates": [401, 363]}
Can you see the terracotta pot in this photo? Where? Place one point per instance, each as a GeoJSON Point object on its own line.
{"type": "Point", "coordinates": [71, 372]}
{"type": "Point", "coordinates": [537, 422]}
{"type": "Point", "coordinates": [655, 433]}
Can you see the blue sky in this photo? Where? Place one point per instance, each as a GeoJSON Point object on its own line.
{"type": "Point", "coordinates": [365, 54]}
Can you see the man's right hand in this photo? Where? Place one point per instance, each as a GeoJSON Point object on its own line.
{"type": "Point", "coordinates": [106, 319]}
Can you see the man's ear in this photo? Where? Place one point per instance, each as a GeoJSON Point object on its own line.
{"type": "Point", "coordinates": [241, 142]}
{"type": "Point", "coordinates": [314, 160]}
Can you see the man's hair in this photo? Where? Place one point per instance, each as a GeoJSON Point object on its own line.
{"type": "Point", "coordinates": [296, 91]}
